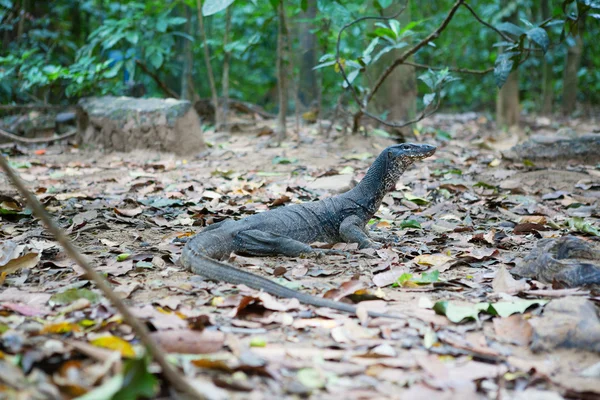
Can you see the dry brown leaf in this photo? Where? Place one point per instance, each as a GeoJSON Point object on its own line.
{"type": "Point", "coordinates": [504, 282]}
{"type": "Point", "coordinates": [514, 329]}
{"type": "Point", "coordinates": [186, 341]}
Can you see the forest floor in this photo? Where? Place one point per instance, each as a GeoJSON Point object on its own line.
{"type": "Point", "coordinates": [462, 219]}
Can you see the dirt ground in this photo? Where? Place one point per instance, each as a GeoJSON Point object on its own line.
{"type": "Point", "coordinates": [460, 221]}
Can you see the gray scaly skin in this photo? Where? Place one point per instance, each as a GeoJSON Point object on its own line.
{"type": "Point", "coordinates": [288, 230]}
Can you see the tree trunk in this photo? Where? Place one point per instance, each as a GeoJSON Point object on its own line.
{"type": "Point", "coordinates": [572, 62]}
{"type": "Point", "coordinates": [209, 71]}
{"type": "Point", "coordinates": [507, 101]}
{"type": "Point", "coordinates": [226, 58]}
{"type": "Point", "coordinates": [187, 82]}
{"type": "Point", "coordinates": [547, 92]}
{"type": "Point", "coordinates": [399, 94]}
{"type": "Point", "coordinates": [281, 78]}
{"type": "Point", "coordinates": [307, 82]}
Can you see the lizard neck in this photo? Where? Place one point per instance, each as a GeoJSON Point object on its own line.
{"type": "Point", "coordinates": [380, 179]}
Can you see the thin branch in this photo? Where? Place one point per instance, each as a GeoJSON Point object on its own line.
{"type": "Point", "coordinates": [17, 138]}
{"type": "Point", "coordinates": [492, 27]}
{"type": "Point", "coordinates": [400, 60]}
{"type": "Point", "coordinates": [427, 111]}
{"type": "Point", "coordinates": [337, 45]}
{"type": "Point", "coordinates": [168, 91]}
{"type": "Point", "coordinates": [11, 107]}
{"type": "Point", "coordinates": [209, 70]}
{"type": "Point", "coordinates": [174, 377]}
{"type": "Point", "coordinates": [457, 70]}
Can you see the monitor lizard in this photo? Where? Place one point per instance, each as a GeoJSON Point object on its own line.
{"type": "Point", "coordinates": [289, 230]}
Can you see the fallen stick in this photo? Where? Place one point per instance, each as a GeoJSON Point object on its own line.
{"type": "Point", "coordinates": [17, 138]}
{"type": "Point", "coordinates": [175, 378]}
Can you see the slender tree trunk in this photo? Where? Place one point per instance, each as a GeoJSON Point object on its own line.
{"type": "Point", "coordinates": [226, 58]}
{"type": "Point", "coordinates": [21, 23]}
{"type": "Point", "coordinates": [209, 71]}
{"type": "Point", "coordinates": [281, 78]}
{"type": "Point", "coordinates": [307, 81]}
{"type": "Point", "coordinates": [547, 92]}
{"type": "Point", "coordinates": [572, 62]}
{"type": "Point", "coordinates": [507, 101]}
{"type": "Point", "coordinates": [76, 22]}
{"type": "Point", "coordinates": [187, 88]}
{"type": "Point", "coordinates": [399, 94]}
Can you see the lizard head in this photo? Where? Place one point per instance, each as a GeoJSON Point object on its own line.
{"type": "Point", "coordinates": [399, 157]}
{"type": "Point", "coordinates": [405, 154]}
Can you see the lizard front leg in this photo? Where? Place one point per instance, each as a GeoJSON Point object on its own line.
{"type": "Point", "coordinates": [352, 230]}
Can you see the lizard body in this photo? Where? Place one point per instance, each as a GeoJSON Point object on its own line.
{"type": "Point", "coordinates": [289, 230]}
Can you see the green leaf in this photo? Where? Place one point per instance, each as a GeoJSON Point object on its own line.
{"type": "Point", "coordinates": [70, 295]}
{"type": "Point", "coordinates": [507, 308]}
{"type": "Point", "coordinates": [402, 279]}
{"type": "Point", "coordinates": [384, 3]}
{"type": "Point", "coordinates": [539, 36]}
{"type": "Point", "coordinates": [156, 59]}
{"type": "Point", "coordinates": [443, 135]}
{"type": "Point", "coordinates": [456, 313]}
{"type": "Point", "coordinates": [144, 264]}
{"type": "Point", "coordinates": [161, 25]}
{"type": "Point", "coordinates": [177, 21]}
{"type": "Point", "coordinates": [284, 160]}
{"type": "Point", "coordinates": [123, 256]}
{"type": "Point", "coordinates": [138, 381]}
{"type": "Point", "coordinates": [211, 7]}
{"type": "Point", "coordinates": [410, 223]}
{"type": "Point", "coordinates": [132, 37]}
{"type": "Point", "coordinates": [428, 98]}
{"type": "Point", "coordinates": [311, 378]}
{"type": "Point", "coordinates": [258, 342]}
{"type": "Point", "coordinates": [351, 77]}
{"type": "Point", "coordinates": [428, 277]}
{"type": "Point", "coordinates": [502, 68]}
{"type": "Point", "coordinates": [511, 28]}
{"type": "Point", "coordinates": [484, 185]}
{"type": "Point", "coordinates": [579, 224]}
{"type": "Point", "coordinates": [417, 200]}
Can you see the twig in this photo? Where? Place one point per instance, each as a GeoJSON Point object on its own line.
{"type": "Point", "coordinates": [174, 377]}
{"type": "Point", "coordinates": [32, 107]}
{"type": "Point", "coordinates": [17, 138]}
{"type": "Point", "coordinates": [457, 70]}
{"type": "Point", "coordinates": [339, 38]}
{"type": "Point", "coordinates": [168, 91]}
{"type": "Point", "coordinates": [400, 60]}
{"type": "Point", "coordinates": [492, 27]}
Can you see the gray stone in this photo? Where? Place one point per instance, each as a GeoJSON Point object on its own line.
{"type": "Point", "coordinates": [126, 123]}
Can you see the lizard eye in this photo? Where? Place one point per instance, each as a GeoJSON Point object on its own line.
{"type": "Point", "coordinates": [406, 147]}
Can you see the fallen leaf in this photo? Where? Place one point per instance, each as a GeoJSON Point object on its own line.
{"type": "Point", "coordinates": [504, 282]}
{"type": "Point", "coordinates": [514, 330]}
{"type": "Point", "coordinates": [114, 343]}
{"type": "Point", "coordinates": [187, 341]}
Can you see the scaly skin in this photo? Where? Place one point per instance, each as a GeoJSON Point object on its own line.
{"type": "Point", "coordinates": [289, 230]}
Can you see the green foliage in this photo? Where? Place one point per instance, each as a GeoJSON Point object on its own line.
{"type": "Point", "coordinates": [67, 48]}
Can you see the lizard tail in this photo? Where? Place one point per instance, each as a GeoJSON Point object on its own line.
{"type": "Point", "coordinates": [218, 271]}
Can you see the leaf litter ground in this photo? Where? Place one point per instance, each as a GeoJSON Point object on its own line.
{"type": "Point", "coordinates": [457, 224]}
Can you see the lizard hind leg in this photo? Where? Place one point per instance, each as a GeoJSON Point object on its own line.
{"type": "Point", "coordinates": [259, 243]}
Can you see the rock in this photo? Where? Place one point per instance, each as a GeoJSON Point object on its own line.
{"type": "Point", "coordinates": [583, 150]}
{"type": "Point", "coordinates": [333, 183]}
{"type": "Point", "coordinates": [125, 123]}
{"type": "Point", "coordinates": [569, 261]}
{"type": "Point", "coordinates": [570, 322]}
